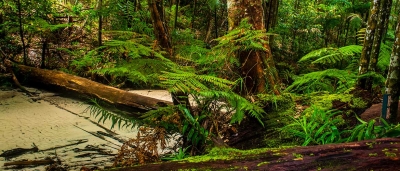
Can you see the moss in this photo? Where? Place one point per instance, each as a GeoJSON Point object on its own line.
{"type": "Point", "coordinates": [373, 154]}
{"type": "Point", "coordinates": [276, 103]}
{"type": "Point", "coordinates": [324, 100]}
{"type": "Point", "coordinates": [297, 156]}
{"type": "Point", "coordinates": [390, 154]}
{"type": "Point", "coordinates": [346, 102]}
{"type": "Point", "coordinates": [262, 163]}
{"type": "Point", "coordinates": [278, 109]}
{"type": "Point", "coordinates": [229, 154]}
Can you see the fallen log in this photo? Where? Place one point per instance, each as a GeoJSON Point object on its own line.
{"type": "Point", "coordinates": [380, 154]}
{"type": "Point", "coordinates": [91, 88]}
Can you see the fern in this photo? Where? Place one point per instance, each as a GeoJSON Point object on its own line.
{"type": "Point", "coordinates": [96, 110]}
{"type": "Point", "coordinates": [319, 128]}
{"type": "Point", "coordinates": [332, 80]}
{"type": "Point", "coordinates": [243, 38]}
{"type": "Point", "coordinates": [332, 56]}
{"type": "Point", "coordinates": [181, 81]}
{"type": "Point", "coordinates": [133, 60]}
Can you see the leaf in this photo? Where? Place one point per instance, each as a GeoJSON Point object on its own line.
{"type": "Point", "coordinates": [189, 137]}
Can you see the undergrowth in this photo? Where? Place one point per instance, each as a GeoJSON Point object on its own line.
{"type": "Point", "coordinates": [323, 127]}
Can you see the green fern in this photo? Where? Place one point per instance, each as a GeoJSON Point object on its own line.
{"type": "Point", "coordinates": [188, 82]}
{"type": "Point", "coordinates": [332, 56]}
{"type": "Point", "coordinates": [243, 38]}
{"type": "Point", "coordinates": [332, 80]}
{"type": "Point", "coordinates": [133, 60]}
{"type": "Point", "coordinates": [96, 110]}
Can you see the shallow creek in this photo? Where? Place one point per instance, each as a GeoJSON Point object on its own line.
{"type": "Point", "coordinates": [59, 128]}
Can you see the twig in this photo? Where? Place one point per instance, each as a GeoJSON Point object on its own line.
{"type": "Point", "coordinates": [76, 143]}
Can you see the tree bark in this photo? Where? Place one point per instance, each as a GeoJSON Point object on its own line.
{"type": "Point", "coordinates": [382, 24]}
{"type": "Point", "coordinates": [393, 81]}
{"type": "Point", "coordinates": [99, 39]}
{"type": "Point", "coordinates": [87, 87]}
{"type": "Point", "coordinates": [160, 28]}
{"type": "Point", "coordinates": [257, 67]}
{"type": "Point", "coordinates": [368, 42]}
{"type": "Point", "coordinates": [271, 13]}
{"type": "Point", "coordinates": [21, 32]}
{"type": "Point", "coordinates": [380, 154]}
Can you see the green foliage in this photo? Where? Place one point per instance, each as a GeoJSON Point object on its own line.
{"type": "Point", "coordinates": [181, 81]}
{"type": "Point", "coordinates": [337, 80]}
{"type": "Point", "coordinates": [331, 80]}
{"type": "Point", "coordinates": [242, 38]}
{"type": "Point", "coordinates": [132, 19]}
{"type": "Point", "coordinates": [192, 128]}
{"type": "Point", "coordinates": [132, 59]}
{"type": "Point", "coordinates": [180, 155]}
{"type": "Point", "coordinates": [332, 56]}
{"type": "Point", "coordinates": [210, 87]}
{"type": "Point", "coordinates": [322, 127]}
{"type": "Point", "coordinates": [96, 110]}
{"type": "Point", "coordinates": [319, 128]}
{"type": "Point", "coordinates": [377, 78]}
{"type": "Point", "coordinates": [370, 130]}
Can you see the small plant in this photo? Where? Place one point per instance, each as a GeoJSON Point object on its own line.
{"type": "Point", "coordinates": [368, 130]}
{"type": "Point", "coordinates": [180, 155]}
{"type": "Point", "coordinates": [319, 128]}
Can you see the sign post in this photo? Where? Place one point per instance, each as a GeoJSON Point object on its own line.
{"type": "Point", "coordinates": [385, 106]}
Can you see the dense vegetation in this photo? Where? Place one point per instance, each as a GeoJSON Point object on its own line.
{"type": "Point", "coordinates": [303, 73]}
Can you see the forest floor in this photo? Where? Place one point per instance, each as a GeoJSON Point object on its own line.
{"type": "Point", "coordinates": [374, 112]}
{"type": "Point", "coordinates": [53, 126]}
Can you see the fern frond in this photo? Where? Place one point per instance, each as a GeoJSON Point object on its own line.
{"type": "Point", "coordinates": [96, 110]}
{"type": "Point", "coordinates": [189, 82]}
{"type": "Point", "coordinates": [243, 38]}
{"type": "Point", "coordinates": [333, 80]}
{"type": "Point", "coordinates": [332, 56]}
{"type": "Point", "coordinates": [384, 57]}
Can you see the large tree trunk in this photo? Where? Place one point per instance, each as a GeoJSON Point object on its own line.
{"type": "Point", "coordinates": [87, 87]}
{"type": "Point", "coordinates": [393, 81]}
{"type": "Point", "coordinates": [368, 42]}
{"type": "Point", "coordinates": [257, 67]}
{"type": "Point", "coordinates": [381, 154]}
{"type": "Point", "coordinates": [160, 28]}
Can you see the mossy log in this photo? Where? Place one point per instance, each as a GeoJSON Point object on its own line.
{"type": "Point", "coordinates": [87, 87]}
{"type": "Point", "coordinates": [380, 154]}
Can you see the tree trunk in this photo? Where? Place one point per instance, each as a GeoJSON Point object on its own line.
{"type": "Point", "coordinates": [271, 13]}
{"type": "Point", "coordinates": [87, 87]}
{"type": "Point", "coordinates": [160, 28]}
{"type": "Point", "coordinates": [253, 63]}
{"type": "Point", "coordinates": [21, 31]}
{"type": "Point", "coordinates": [382, 24]}
{"type": "Point", "coordinates": [100, 22]}
{"type": "Point", "coordinates": [368, 42]}
{"type": "Point", "coordinates": [380, 154]}
{"type": "Point", "coordinates": [393, 81]}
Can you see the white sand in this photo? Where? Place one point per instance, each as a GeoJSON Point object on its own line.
{"type": "Point", "coordinates": [24, 122]}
